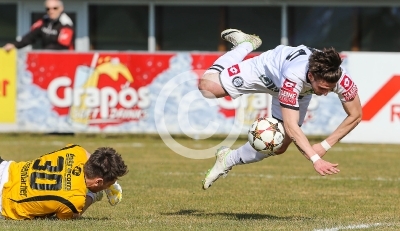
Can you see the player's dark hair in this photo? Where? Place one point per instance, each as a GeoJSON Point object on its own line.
{"type": "Point", "coordinates": [106, 163]}
{"type": "Point", "coordinates": [325, 65]}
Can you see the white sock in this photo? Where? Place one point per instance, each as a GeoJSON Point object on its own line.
{"type": "Point", "coordinates": [231, 57]}
{"type": "Point", "coordinates": [246, 154]}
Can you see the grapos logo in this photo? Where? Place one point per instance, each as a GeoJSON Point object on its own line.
{"type": "Point", "coordinates": [177, 89]}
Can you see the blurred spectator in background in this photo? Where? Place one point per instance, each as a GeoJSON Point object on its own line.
{"type": "Point", "coordinates": [55, 29]}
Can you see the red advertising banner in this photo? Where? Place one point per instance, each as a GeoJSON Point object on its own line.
{"type": "Point", "coordinates": [109, 89]}
{"type": "Point", "coordinates": [97, 89]}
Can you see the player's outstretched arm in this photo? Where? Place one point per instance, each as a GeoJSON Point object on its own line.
{"type": "Point", "coordinates": [28, 38]}
{"type": "Point", "coordinates": [290, 121]}
{"type": "Point", "coordinates": [354, 113]}
{"type": "Point", "coordinates": [89, 200]}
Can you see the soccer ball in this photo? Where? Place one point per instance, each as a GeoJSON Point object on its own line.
{"type": "Point", "coordinates": [266, 135]}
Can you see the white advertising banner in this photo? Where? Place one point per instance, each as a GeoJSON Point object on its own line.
{"type": "Point", "coordinates": [377, 76]}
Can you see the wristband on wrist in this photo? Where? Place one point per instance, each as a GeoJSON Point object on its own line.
{"type": "Point", "coordinates": [314, 158]}
{"type": "Point", "coordinates": [325, 145]}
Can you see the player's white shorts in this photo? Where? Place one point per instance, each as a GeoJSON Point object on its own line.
{"type": "Point", "coordinates": [3, 179]}
{"type": "Point", "coordinates": [250, 76]}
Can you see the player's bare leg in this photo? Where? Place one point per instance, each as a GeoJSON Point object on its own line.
{"type": "Point", "coordinates": [243, 44]}
{"type": "Point", "coordinates": [210, 86]}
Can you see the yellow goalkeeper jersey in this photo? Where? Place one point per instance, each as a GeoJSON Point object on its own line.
{"type": "Point", "coordinates": [53, 184]}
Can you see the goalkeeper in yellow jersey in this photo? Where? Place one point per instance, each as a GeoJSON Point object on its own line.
{"type": "Point", "coordinates": [63, 183]}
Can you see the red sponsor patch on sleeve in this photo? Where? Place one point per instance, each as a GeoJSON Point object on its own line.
{"type": "Point", "coordinates": [350, 94]}
{"type": "Point", "coordinates": [287, 97]}
{"type": "Point", "coordinates": [65, 36]}
{"type": "Point", "coordinates": [234, 70]}
{"type": "Point", "coordinates": [288, 85]}
{"type": "Point", "coordinates": [37, 24]}
{"type": "Point", "coordinates": [346, 83]}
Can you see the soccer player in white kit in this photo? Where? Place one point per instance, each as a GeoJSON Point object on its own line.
{"type": "Point", "coordinates": [290, 75]}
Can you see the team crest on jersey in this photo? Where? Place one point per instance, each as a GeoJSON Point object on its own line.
{"type": "Point", "coordinates": [268, 83]}
{"type": "Point", "coordinates": [77, 171]}
{"type": "Point", "coordinates": [288, 85]}
{"type": "Point", "coordinates": [234, 70]}
{"type": "Point", "coordinates": [346, 83]}
{"type": "Point", "coordinates": [350, 87]}
{"type": "Point", "coordinates": [237, 81]}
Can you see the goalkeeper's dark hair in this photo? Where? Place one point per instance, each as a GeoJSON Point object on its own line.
{"type": "Point", "coordinates": [106, 163]}
{"type": "Point", "coordinates": [325, 65]}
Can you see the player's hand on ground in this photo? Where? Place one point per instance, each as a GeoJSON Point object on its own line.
{"type": "Point", "coordinates": [319, 149]}
{"type": "Point", "coordinates": [325, 168]}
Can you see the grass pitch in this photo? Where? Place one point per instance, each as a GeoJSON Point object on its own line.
{"type": "Point", "coordinates": [163, 191]}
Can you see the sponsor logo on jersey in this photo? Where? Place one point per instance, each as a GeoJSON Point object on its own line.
{"type": "Point", "coordinates": [77, 171]}
{"type": "Point", "coordinates": [288, 85]}
{"type": "Point", "coordinates": [346, 83]}
{"type": "Point", "coordinates": [350, 94]}
{"type": "Point", "coordinates": [69, 162]}
{"type": "Point", "coordinates": [287, 97]}
{"type": "Point", "coordinates": [24, 177]}
{"type": "Point", "coordinates": [237, 81]}
{"type": "Point", "coordinates": [234, 70]}
{"type": "Point", "coordinates": [268, 83]}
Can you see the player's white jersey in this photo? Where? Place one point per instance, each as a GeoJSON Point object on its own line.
{"type": "Point", "coordinates": [281, 72]}
{"type": "Point", "coordinates": [287, 67]}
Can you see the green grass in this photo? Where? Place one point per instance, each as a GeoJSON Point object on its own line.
{"type": "Point", "coordinates": [163, 191]}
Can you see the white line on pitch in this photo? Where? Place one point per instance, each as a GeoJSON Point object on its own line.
{"type": "Point", "coordinates": [359, 226]}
